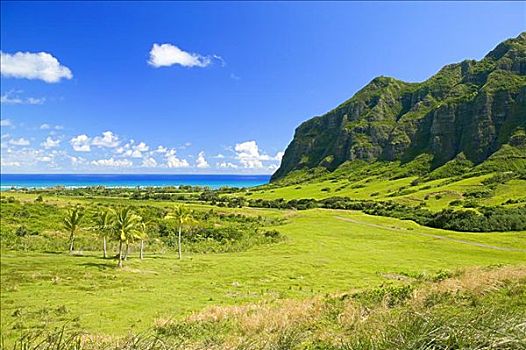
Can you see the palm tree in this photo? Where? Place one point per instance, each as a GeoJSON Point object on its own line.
{"type": "Point", "coordinates": [104, 220]}
{"type": "Point", "coordinates": [142, 234]}
{"type": "Point", "coordinates": [72, 224]}
{"type": "Point", "coordinates": [182, 216]}
{"type": "Point", "coordinates": [124, 228]}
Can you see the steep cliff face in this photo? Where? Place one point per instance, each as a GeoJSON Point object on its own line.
{"type": "Point", "coordinates": [472, 107]}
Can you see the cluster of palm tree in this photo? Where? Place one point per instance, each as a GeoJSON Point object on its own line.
{"type": "Point", "coordinates": [123, 225]}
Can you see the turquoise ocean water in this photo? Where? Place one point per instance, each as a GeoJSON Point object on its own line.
{"type": "Point", "coordinates": [9, 181]}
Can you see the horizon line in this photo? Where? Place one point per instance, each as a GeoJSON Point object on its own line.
{"type": "Point", "coordinates": [175, 174]}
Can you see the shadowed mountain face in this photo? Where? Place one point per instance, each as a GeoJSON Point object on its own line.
{"type": "Point", "coordinates": [469, 109]}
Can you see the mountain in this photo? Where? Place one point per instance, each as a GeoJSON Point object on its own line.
{"type": "Point", "coordinates": [470, 110]}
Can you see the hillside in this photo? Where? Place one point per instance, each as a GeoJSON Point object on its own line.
{"type": "Point", "coordinates": [472, 112]}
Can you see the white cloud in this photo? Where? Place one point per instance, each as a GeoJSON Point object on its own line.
{"type": "Point", "coordinates": [134, 153]}
{"type": "Point", "coordinates": [9, 163]}
{"type": "Point", "coordinates": [6, 122]}
{"type": "Point", "coordinates": [161, 149]}
{"type": "Point", "coordinates": [132, 150]}
{"type": "Point", "coordinates": [46, 126]}
{"type": "Point", "coordinates": [142, 147]}
{"type": "Point", "coordinates": [45, 159]}
{"type": "Point", "coordinates": [12, 98]}
{"type": "Point", "coordinates": [35, 100]}
{"type": "Point", "coordinates": [29, 65]}
{"type": "Point", "coordinates": [108, 139]}
{"type": "Point", "coordinates": [149, 162]}
{"type": "Point", "coordinates": [201, 161]}
{"type": "Point", "coordinates": [186, 145]}
{"type": "Point", "coordinates": [50, 143]}
{"type": "Point", "coordinates": [112, 162]}
{"type": "Point", "coordinates": [80, 143]}
{"type": "Point", "coordinates": [248, 155]}
{"type": "Point", "coordinates": [77, 160]}
{"type": "Point", "coordinates": [19, 142]}
{"type": "Point", "coordinates": [173, 162]}
{"type": "Point", "coordinates": [166, 55]}
{"type": "Point", "coordinates": [227, 165]}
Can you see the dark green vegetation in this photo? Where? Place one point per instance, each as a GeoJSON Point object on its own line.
{"type": "Point", "coordinates": [470, 114]}
{"type": "Point", "coordinates": [38, 225]}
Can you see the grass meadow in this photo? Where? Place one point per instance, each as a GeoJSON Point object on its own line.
{"type": "Point", "coordinates": [325, 252]}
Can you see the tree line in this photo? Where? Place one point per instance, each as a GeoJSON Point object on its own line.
{"type": "Point", "coordinates": [483, 219]}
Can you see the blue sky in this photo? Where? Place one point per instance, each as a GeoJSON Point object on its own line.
{"type": "Point", "coordinates": [209, 87]}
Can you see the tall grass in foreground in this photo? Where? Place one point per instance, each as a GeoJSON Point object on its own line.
{"type": "Point", "coordinates": [475, 309]}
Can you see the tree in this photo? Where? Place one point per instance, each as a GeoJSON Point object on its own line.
{"type": "Point", "coordinates": [125, 228]}
{"type": "Point", "coordinates": [72, 224]}
{"type": "Point", "coordinates": [142, 234]}
{"type": "Point", "coordinates": [104, 220]}
{"type": "Point", "coordinates": [182, 216]}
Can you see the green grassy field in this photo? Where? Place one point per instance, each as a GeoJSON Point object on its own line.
{"type": "Point", "coordinates": [325, 251]}
{"type": "Point", "coordinates": [435, 194]}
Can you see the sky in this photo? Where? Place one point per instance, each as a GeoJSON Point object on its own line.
{"type": "Point", "coordinates": [209, 87]}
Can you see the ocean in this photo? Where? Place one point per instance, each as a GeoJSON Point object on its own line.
{"type": "Point", "coordinates": [9, 181]}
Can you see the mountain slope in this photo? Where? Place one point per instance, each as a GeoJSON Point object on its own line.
{"type": "Point", "coordinates": [468, 109]}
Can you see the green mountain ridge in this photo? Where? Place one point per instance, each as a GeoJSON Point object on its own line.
{"type": "Point", "coordinates": [474, 111]}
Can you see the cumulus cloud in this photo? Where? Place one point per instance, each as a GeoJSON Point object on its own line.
{"type": "Point", "coordinates": [142, 147]}
{"type": "Point", "coordinates": [50, 143]}
{"type": "Point", "coordinates": [108, 139]}
{"type": "Point", "coordinates": [133, 150]}
{"type": "Point", "coordinates": [19, 142]}
{"type": "Point", "coordinates": [28, 65]}
{"type": "Point", "coordinates": [12, 98]}
{"type": "Point", "coordinates": [227, 165]}
{"type": "Point", "coordinates": [165, 55]}
{"type": "Point", "coordinates": [172, 161]}
{"type": "Point", "coordinates": [248, 155]}
{"type": "Point", "coordinates": [124, 163]}
{"type": "Point", "coordinates": [161, 149]}
{"type": "Point", "coordinates": [81, 143]}
{"type": "Point", "coordinates": [201, 161]}
{"type": "Point", "coordinates": [149, 162]}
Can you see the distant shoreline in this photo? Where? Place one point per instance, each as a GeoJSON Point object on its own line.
{"type": "Point", "coordinates": [71, 181]}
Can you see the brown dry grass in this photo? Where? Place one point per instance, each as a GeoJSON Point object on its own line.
{"type": "Point", "coordinates": [479, 281]}
{"type": "Point", "coordinates": [265, 322]}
